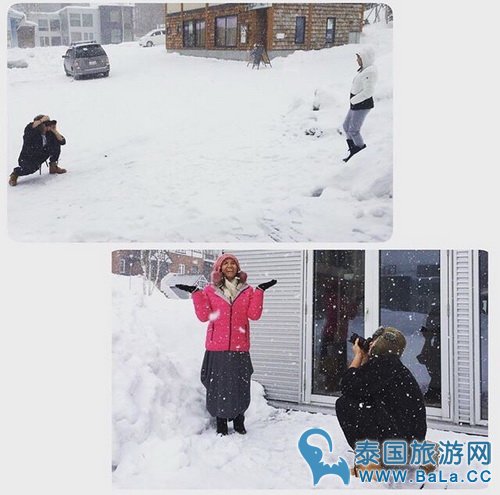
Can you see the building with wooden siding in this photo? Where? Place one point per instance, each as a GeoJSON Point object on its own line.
{"type": "Point", "coordinates": [231, 30]}
{"type": "Point", "coordinates": [438, 299]}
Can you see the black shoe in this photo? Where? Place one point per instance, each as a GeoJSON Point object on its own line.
{"type": "Point", "coordinates": [222, 426]}
{"type": "Point", "coordinates": [350, 144]}
{"type": "Point", "coordinates": [353, 151]}
{"type": "Point", "coordinates": [239, 424]}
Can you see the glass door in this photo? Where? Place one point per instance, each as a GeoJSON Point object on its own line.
{"type": "Point", "coordinates": [358, 291]}
{"type": "Point", "coordinates": [337, 312]}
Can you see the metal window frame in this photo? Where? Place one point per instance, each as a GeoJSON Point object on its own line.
{"type": "Point", "coordinates": [476, 308]}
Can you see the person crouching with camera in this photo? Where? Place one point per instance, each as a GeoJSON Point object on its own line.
{"type": "Point", "coordinates": [381, 399]}
{"type": "Point", "coordinates": [42, 141]}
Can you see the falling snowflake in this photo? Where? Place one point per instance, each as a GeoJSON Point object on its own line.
{"type": "Point", "coordinates": [214, 316]}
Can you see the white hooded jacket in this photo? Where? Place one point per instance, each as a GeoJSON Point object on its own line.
{"type": "Point", "coordinates": [363, 85]}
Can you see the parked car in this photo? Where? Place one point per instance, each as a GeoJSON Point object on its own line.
{"type": "Point", "coordinates": [154, 37]}
{"type": "Point", "coordinates": [86, 58]}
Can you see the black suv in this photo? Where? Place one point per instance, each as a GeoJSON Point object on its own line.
{"type": "Point", "coordinates": [86, 58]}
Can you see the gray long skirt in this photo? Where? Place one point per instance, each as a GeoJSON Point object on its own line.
{"type": "Point", "coordinates": [226, 376]}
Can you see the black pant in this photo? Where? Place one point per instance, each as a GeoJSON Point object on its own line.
{"type": "Point", "coordinates": [30, 164]}
{"type": "Point", "coordinates": [357, 421]}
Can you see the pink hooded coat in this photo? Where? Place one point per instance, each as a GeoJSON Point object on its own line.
{"type": "Point", "coordinates": [228, 327]}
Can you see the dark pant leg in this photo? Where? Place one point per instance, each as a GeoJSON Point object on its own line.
{"type": "Point", "coordinates": [356, 420]}
{"type": "Point", "coordinates": [28, 167]}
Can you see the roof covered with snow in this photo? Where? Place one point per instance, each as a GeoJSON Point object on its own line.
{"type": "Point", "coordinates": [15, 13]}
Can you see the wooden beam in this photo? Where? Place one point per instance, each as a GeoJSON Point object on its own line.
{"type": "Point", "coordinates": [269, 29]}
{"type": "Point", "coordinates": [206, 28]}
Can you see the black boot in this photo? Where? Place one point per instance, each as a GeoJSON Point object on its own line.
{"type": "Point", "coordinates": [239, 424]}
{"type": "Point", "coordinates": [355, 149]}
{"type": "Point", "coordinates": [222, 426]}
{"type": "Point", "coordinates": [350, 144]}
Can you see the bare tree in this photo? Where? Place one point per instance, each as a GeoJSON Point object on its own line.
{"type": "Point", "coordinates": [151, 261]}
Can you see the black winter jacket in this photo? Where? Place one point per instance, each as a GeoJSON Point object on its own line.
{"type": "Point", "coordinates": [33, 150]}
{"type": "Point", "coordinates": [391, 391]}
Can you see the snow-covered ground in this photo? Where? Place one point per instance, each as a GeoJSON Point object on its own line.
{"type": "Point", "coordinates": [162, 434]}
{"type": "Point", "coordinates": [189, 149]}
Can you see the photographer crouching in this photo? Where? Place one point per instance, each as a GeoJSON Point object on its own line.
{"type": "Point", "coordinates": [41, 142]}
{"type": "Point", "coordinates": [381, 399]}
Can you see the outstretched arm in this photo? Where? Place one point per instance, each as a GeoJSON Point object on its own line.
{"type": "Point", "coordinates": [256, 304]}
{"type": "Point", "coordinates": [202, 306]}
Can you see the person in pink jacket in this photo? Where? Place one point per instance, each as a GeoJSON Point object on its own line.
{"type": "Point", "coordinates": [228, 305]}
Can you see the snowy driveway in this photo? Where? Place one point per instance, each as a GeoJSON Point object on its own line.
{"type": "Point", "coordinates": [172, 148]}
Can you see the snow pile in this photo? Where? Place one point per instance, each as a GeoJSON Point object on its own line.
{"type": "Point", "coordinates": [162, 435]}
{"type": "Point", "coordinates": [152, 149]}
{"type": "Point", "coordinates": [158, 399]}
{"type": "Point", "coordinates": [17, 64]}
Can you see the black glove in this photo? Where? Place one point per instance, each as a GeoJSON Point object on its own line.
{"type": "Point", "coordinates": [266, 285]}
{"type": "Point", "coordinates": [187, 288]}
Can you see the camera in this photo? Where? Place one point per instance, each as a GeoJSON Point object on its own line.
{"type": "Point", "coordinates": [362, 342]}
{"type": "Point", "coordinates": [50, 123]}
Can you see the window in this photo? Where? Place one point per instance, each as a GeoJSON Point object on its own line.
{"type": "Point", "coordinates": [88, 36]}
{"type": "Point", "coordinates": [75, 20]}
{"type": "Point", "coordinates": [55, 25]}
{"type": "Point", "coordinates": [76, 37]}
{"type": "Point", "coordinates": [200, 33]}
{"type": "Point", "coordinates": [89, 51]}
{"type": "Point", "coordinates": [123, 266]}
{"type": "Point", "coordinates": [56, 41]}
{"type": "Point", "coordinates": [226, 31]}
{"type": "Point", "coordinates": [483, 332]}
{"type": "Point", "coordinates": [194, 33]}
{"type": "Point", "coordinates": [338, 312]}
{"type": "Point", "coordinates": [410, 300]}
{"type": "Point", "coordinates": [87, 20]}
{"type": "Point", "coordinates": [330, 30]}
{"type": "Point", "coordinates": [300, 30]}
{"type": "Point", "coordinates": [188, 37]}
{"type": "Point", "coordinates": [44, 41]}
{"type": "Point", "coordinates": [114, 16]}
{"type": "Point", "coordinates": [116, 36]}
{"type": "Point", "coordinates": [182, 269]}
{"type": "Point", "coordinates": [43, 25]}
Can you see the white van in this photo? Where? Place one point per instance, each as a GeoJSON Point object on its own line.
{"type": "Point", "coordinates": [154, 37]}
